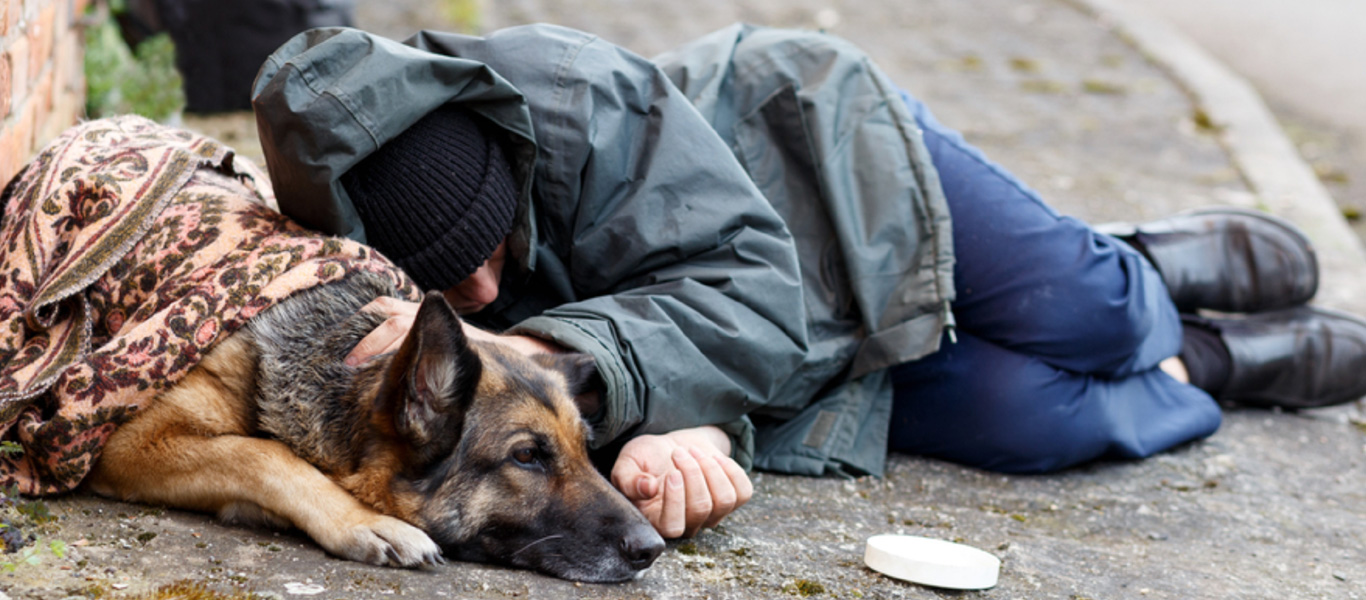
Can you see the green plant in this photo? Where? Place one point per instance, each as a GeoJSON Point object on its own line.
{"type": "Point", "coordinates": [20, 522]}
{"type": "Point", "coordinates": [32, 555]}
{"type": "Point", "coordinates": [120, 80]}
{"type": "Point", "coordinates": [463, 14]}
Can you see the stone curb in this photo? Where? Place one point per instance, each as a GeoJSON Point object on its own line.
{"type": "Point", "coordinates": [1283, 183]}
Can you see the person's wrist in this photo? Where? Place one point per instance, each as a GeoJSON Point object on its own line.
{"type": "Point", "coordinates": [528, 344]}
{"type": "Point", "coordinates": [707, 435]}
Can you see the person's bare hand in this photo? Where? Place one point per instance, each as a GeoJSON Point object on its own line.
{"type": "Point", "coordinates": [399, 316]}
{"type": "Point", "coordinates": [682, 481]}
{"type": "Point", "coordinates": [388, 336]}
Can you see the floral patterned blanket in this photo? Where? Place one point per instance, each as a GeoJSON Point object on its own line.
{"type": "Point", "coordinates": [127, 249]}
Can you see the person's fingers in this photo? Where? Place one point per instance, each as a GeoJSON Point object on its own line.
{"type": "Point", "coordinates": [671, 512]}
{"type": "Point", "coordinates": [396, 330]}
{"type": "Point", "coordinates": [390, 306]}
{"type": "Point", "coordinates": [387, 337]}
{"type": "Point", "coordinates": [719, 486]}
{"type": "Point", "coordinates": [648, 486]}
{"type": "Point", "coordinates": [744, 488]}
{"type": "Point", "coordinates": [634, 483]}
{"type": "Point", "coordinates": [651, 506]}
{"type": "Point", "coordinates": [625, 473]}
{"type": "Point", "coordinates": [697, 505]}
{"type": "Point", "coordinates": [641, 465]}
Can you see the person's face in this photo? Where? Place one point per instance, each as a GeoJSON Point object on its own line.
{"type": "Point", "coordinates": [481, 287]}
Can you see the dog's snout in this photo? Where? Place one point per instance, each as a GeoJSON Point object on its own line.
{"type": "Point", "coordinates": [641, 546]}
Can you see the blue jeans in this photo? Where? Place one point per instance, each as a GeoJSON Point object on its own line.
{"type": "Point", "coordinates": [1060, 331]}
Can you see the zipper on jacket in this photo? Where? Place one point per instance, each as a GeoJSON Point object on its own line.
{"type": "Point", "coordinates": [949, 324]}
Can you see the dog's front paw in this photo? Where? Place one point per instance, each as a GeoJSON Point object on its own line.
{"type": "Point", "coordinates": [383, 540]}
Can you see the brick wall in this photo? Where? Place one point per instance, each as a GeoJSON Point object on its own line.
{"type": "Point", "coordinates": [42, 85]}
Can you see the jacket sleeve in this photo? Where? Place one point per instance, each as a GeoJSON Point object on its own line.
{"type": "Point", "coordinates": [690, 293]}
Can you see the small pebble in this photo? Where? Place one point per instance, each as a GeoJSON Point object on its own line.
{"type": "Point", "coordinates": [304, 589]}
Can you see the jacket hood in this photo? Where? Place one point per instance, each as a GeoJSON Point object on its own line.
{"type": "Point", "coordinates": [329, 97]}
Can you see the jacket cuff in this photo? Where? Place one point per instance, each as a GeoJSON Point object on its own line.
{"type": "Point", "coordinates": [741, 432]}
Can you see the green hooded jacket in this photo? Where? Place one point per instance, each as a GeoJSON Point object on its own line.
{"type": "Point", "coordinates": [659, 207]}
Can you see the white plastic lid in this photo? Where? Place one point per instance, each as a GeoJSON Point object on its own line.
{"type": "Point", "coordinates": [932, 562]}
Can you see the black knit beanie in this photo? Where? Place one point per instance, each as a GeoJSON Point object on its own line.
{"type": "Point", "coordinates": [437, 199]}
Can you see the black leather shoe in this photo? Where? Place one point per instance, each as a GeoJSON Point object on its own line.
{"type": "Point", "coordinates": [1227, 259]}
{"type": "Point", "coordinates": [1301, 357]}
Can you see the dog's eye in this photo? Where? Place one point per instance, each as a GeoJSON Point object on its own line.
{"type": "Point", "coordinates": [525, 456]}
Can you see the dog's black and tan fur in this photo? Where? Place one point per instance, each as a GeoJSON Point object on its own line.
{"type": "Point", "coordinates": [445, 445]}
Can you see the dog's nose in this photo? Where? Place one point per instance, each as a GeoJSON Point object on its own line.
{"type": "Point", "coordinates": [641, 546]}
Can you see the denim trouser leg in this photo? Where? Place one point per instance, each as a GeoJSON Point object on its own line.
{"type": "Point", "coordinates": [1062, 331]}
{"type": "Point", "coordinates": [982, 405]}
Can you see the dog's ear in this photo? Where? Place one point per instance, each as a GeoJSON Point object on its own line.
{"type": "Point", "coordinates": [581, 373]}
{"type": "Point", "coordinates": [437, 373]}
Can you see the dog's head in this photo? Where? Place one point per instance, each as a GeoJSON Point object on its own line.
{"type": "Point", "coordinates": [494, 456]}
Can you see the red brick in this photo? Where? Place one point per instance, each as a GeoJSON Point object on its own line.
{"type": "Point", "coordinates": [16, 142]}
{"type": "Point", "coordinates": [5, 84]}
{"type": "Point", "coordinates": [40, 99]}
{"type": "Point", "coordinates": [16, 11]}
{"type": "Point", "coordinates": [9, 150]}
{"type": "Point", "coordinates": [47, 19]}
{"type": "Point", "coordinates": [18, 62]}
{"type": "Point", "coordinates": [47, 14]}
{"type": "Point", "coordinates": [67, 109]}
{"type": "Point", "coordinates": [40, 39]}
{"type": "Point", "coordinates": [73, 65]}
{"type": "Point", "coordinates": [11, 13]}
{"type": "Point", "coordinates": [24, 126]}
{"type": "Point", "coordinates": [61, 61]}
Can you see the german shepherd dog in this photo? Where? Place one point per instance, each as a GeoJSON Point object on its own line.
{"type": "Point", "coordinates": [445, 445]}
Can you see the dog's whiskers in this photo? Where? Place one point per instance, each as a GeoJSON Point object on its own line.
{"type": "Point", "coordinates": [544, 539]}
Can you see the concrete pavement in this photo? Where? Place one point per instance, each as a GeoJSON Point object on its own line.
{"type": "Point", "coordinates": [1112, 116]}
{"type": "Point", "coordinates": [1308, 59]}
